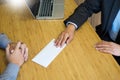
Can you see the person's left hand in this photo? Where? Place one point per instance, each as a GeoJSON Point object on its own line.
{"type": "Point", "coordinates": [108, 47]}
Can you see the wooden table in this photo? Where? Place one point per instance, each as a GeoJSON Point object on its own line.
{"type": "Point", "coordinates": [78, 61]}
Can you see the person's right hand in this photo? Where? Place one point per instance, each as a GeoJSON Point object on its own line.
{"type": "Point", "coordinates": [18, 55]}
{"type": "Point", "coordinates": [66, 36]}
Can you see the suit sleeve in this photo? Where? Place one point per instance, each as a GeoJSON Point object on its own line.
{"type": "Point", "coordinates": [83, 11]}
{"type": "Point", "coordinates": [10, 73]}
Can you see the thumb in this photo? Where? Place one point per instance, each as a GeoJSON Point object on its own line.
{"type": "Point", "coordinates": [7, 50]}
{"type": "Point", "coordinates": [69, 40]}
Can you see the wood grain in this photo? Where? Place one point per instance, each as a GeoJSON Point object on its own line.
{"type": "Point", "coordinates": [78, 61]}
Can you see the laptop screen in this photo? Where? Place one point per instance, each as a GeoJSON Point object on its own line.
{"type": "Point", "coordinates": [33, 5]}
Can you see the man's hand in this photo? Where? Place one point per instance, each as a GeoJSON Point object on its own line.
{"type": "Point", "coordinates": [18, 55]}
{"type": "Point", "coordinates": [66, 36]}
{"type": "Point", "coordinates": [108, 47]}
{"type": "Point", "coordinates": [12, 46]}
{"type": "Point", "coordinates": [23, 47]}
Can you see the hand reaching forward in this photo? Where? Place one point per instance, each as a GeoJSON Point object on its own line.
{"type": "Point", "coordinates": [17, 56]}
{"type": "Point", "coordinates": [108, 47]}
{"type": "Point", "coordinates": [66, 36]}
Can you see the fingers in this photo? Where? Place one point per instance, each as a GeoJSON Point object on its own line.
{"type": "Point", "coordinates": [61, 39]}
{"type": "Point", "coordinates": [24, 51]}
{"type": "Point", "coordinates": [12, 51]}
{"type": "Point", "coordinates": [23, 47]}
{"type": "Point", "coordinates": [66, 36]}
{"type": "Point", "coordinates": [64, 40]}
{"type": "Point", "coordinates": [26, 54]}
{"type": "Point", "coordinates": [12, 46]}
{"type": "Point", "coordinates": [18, 46]}
{"type": "Point", "coordinates": [104, 47]}
{"type": "Point", "coordinates": [69, 40]}
{"type": "Point", "coordinates": [105, 51]}
{"type": "Point", "coordinates": [7, 50]}
{"type": "Point", "coordinates": [105, 43]}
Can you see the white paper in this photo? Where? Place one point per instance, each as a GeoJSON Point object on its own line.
{"type": "Point", "coordinates": [48, 54]}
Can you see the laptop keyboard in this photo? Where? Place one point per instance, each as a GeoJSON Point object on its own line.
{"type": "Point", "coordinates": [46, 8]}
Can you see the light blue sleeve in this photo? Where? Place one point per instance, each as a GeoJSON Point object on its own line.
{"type": "Point", "coordinates": [10, 73]}
{"type": "Point", "coordinates": [4, 41]}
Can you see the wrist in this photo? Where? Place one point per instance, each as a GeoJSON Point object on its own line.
{"type": "Point", "coordinates": [12, 70]}
{"type": "Point", "coordinates": [71, 27]}
{"type": "Point", "coordinates": [16, 63]}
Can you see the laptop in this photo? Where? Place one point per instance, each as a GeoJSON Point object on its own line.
{"type": "Point", "coordinates": [46, 9]}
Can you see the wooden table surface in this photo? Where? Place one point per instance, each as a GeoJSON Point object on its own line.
{"type": "Point", "coordinates": [78, 61]}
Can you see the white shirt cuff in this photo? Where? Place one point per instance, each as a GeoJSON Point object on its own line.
{"type": "Point", "coordinates": [72, 24]}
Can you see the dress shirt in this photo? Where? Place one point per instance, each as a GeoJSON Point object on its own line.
{"type": "Point", "coordinates": [4, 41]}
{"type": "Point", "coordinates": [11, 71]}
{"type": "Point", "coordinates": [115, 27]}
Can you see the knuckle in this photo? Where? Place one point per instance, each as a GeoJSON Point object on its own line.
{"type": "Point", "coordinates": [24, 45]}
{"type": "Point", "coordinates": [62, 33]}
{"type": "Point", "coordinates": [66, 35]}
{"type": "Point", "coordinates": [59, 37]}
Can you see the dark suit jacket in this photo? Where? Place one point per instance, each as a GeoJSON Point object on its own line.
{"type": "Point", "coordinates": [108, 8]}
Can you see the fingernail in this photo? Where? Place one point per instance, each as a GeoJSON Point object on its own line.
{"type": "Point", "coordinates": [12, 51]}
{"type": "Point", "coordinates": [96, 48]}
